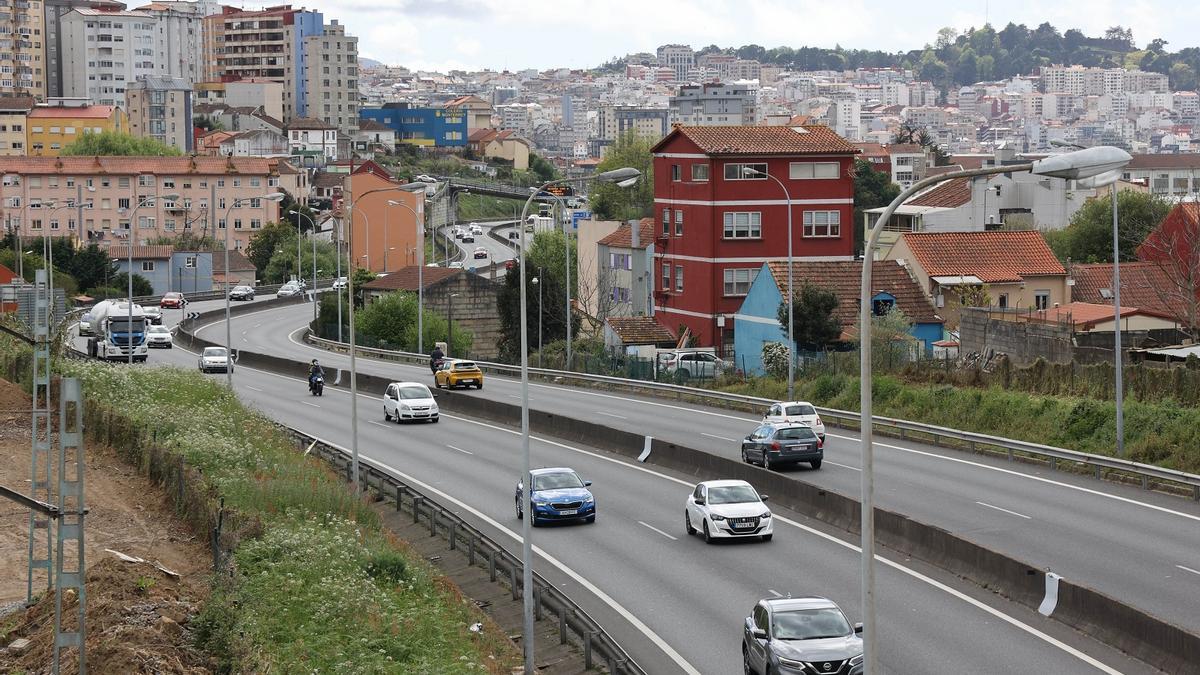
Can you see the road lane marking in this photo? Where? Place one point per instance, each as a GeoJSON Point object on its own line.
{"type": "Point", "coordinates": [658, 531]}
{"type": "Point", "coordinates": [378, 423]}
{"type": "Point", "coordinates": [466, 452]}
{"type": "Point", "coordinates": [249, 387]}
{"type": "Point", "coordinates": [620, 417]}
{"type": "Point", "coordinates": [1014, 513]}
{"type": "Point", "coordinates": [637, 623]}
{"type": "Point", "coordinates": [844, 466]}
{"type": "Point", "coordinates": [1188, 569]}
{"type": "Point", "coordinates": [720, 438]}
{"type": "Point", "coordinates": [312, 404]}
{"type": "Point", "coordinates": [775, 593]}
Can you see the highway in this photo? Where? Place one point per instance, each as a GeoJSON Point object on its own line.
{"type": "Point", "coordinates": [497, 252]}
{"type": "Point", "coordinates": [676, 604]}
{"type": "Point", "coordinates": [1138, 546]}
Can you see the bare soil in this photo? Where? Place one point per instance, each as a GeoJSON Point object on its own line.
{"type": "Point", "coordinates": [137, 615]}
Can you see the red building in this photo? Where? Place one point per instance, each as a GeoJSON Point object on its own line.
{"type": "Point", "coordinates": [716, 223]}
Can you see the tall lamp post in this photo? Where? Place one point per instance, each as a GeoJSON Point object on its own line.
{"type": "Point", "coordinates": [1072, 166]}
{"type": "Point", "coordinates": [561, 202]}
{"type": "Point", "coordinates": [273, 197]}
{"type": "Point", "coordinates": [129, 273]}
{"type": "Point", "coordinates": [791, 373]}
{"type": "Point", "coordinates": [312, 235]}
{"type": "Point", "coordinates": [624, 177]}
{"type": "Point", "coordinates": [537, 281]}
{"type": "Point", "coordinates": [420, 270]}
{"type": "Point", "coordinates": [48, 248]}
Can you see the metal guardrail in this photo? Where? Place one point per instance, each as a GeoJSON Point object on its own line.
{"type": "Point", "coordinates": [265, 289]}
{"type": "Point", "coordinates": [1101, 466]}
{"type": "Point", "coordinates": [483, 551]}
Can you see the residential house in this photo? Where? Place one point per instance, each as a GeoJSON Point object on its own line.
{"type": "Point", "coordinates": [1018, 269]}
{"type": "Point", "coordinates": [152, 263]}
{"type": "Point", "coordinates": [709, 184]}
{"type": "Point", "coordinates": [1146, 285]}
{"type": "Point", "coordinates": [757, 320]}
{"type": "Point", "coordinates": [587, 238]}
{"type": "Point", "coordinates": [241, 271]}
{"type": "Point", "coordinates": [161, 108]}
{"type": "Point", "coordinates": [210, 143]}
{"type": "Point", "coordinates": [313, 142]}
{"type": "Point", "coordinates": [53, 126]}
{"type": "Point", "coordinates": [477, 111]}
{"type": "Point", "coordinates": [14, 113]}
{"type": "Point", "coordinates": [639, 336]}
{"type": "Point", "coordinates": [191, 271]}
{"type": "Point", "coordinates": [465, 298]}
{"type": "Point", "coordinates": [1167, 175]}
{"type": "Point", "coordinates": [37, 194]}
{"type": "Point", "coordinates": [502, 144]}
{"type": "Point", "coordinates": [1086, 317]}
{"type": "Point", "coordinates": [372, 134]}
{"type": "Point", "coordinates": [257, 143]}
{"type": "Point", "coordinates": [625, 266]}
{"type": "Point", "coordinates": [240, 118]}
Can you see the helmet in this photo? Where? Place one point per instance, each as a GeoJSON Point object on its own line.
{"type": "Point", "coordinates": [315, 362]}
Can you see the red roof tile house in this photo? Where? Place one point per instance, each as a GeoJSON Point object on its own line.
{"type": "Point", "coordinates": [1174, 247]}
{"type": "Point", "coordinates": [1018, 268]}
{"type": "Point", "coordinates": [717, 221]}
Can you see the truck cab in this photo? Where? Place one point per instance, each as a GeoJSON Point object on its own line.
{"type": "Point", "coordinates": [118, 330]}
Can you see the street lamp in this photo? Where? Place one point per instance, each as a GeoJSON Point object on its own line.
{"type": "Point", "coordinates": [537, 281]}
{"type": "Point", "coordinates": [313, 235]}
{"type": "Point", "coordinates": [420, 268]}
{"type": "Point", "coordinates": [273, 197]}
{"type": "Point", "coordinates": [562, 204]}
{"type": "Point", "coordinates": [170, 197]}
{"type": "Point", "coordinates": [1072, 166]}
{"type": "Point", "coordinates": [791, 373]}
{"type": "Point", "coordinates": [624, 177]}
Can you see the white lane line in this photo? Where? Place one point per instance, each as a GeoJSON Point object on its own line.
{"type": "Point", "coordinates": [465, 452]}
{"type": "Point", "coordinates": [312, 404]}
{"type": "Point", "coordinates": [378, 423]}
{"type": "Point", "coordinates": [1188, 569]}
{"type": "Point", "coordinates": [658, 531]}
{"type": "Point", "coordinates": [249, 387]}
{"type": "Point", "coordinates": [720, 438]}
{"type": "Point", "coordinates": [620, 417]}
{"type": "Point", "coordinates": [637, 623]}
{"type": "Point", "coordinates": [844, 466]}
{"type": "Point", "coordinates": [775, 593]}
{"type": "Point", "coordinates": [1013, 513]}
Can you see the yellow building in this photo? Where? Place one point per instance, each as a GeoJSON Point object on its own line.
{"type": "Point", "coordinates": [14, 112]}
{"type": "Point", "coordinates": [50, 128]}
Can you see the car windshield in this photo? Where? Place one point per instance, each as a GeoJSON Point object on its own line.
{"type": "Point", "coordinates": [800, 410]}
{"type": "Point", "coordinates": [464, 365]}
{"type": "Point", "coordinates": [411, 392]}
{"type": "Point", "coordinates": [795, 434]}
{"type": "Point", "coordinates": [159, 329]}
{"type": "Point", "coordinates": [555, 481]}
{"type": "Point", "coordinates": [214, 351]}
{"type": "Point", "coordinates": [809, 624]}
{"type": "Point", "coordinates": [732, 494]}
{"type": "Point", "coordinates": [87, 317]}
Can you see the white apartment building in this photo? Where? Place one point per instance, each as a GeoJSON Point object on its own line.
{"type": "Point", "coordinates": [104, 51]}
{"type": "Point", "coordinates": [331, 74]}
{"type": "Point", "coordinates": [714, 105]}
{"type": "Point", "coordinates": [614, 120]}
{"type": "Point", "coordinates": [180, 48]}
{"type": "Point", "coordinates": [679, 58]}
{"type": "Point", "coordinates": [1085, 81]}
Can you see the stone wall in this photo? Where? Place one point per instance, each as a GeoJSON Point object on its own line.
{"type": "Point", "coordinates": [982, 331]}
{"type": "Point", "coordinates": [474, 310]}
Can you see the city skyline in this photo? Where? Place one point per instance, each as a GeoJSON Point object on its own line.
{"type": "Point", "coordinates": [444, 35]}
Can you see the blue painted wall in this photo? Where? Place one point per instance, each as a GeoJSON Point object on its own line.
{"type": "Point", "coordinates": [435, 127]}
{"type": "Point", "coordinates": [157, 277]}
{"type": "Point", "coordinates": [306, 23]}
{"type": "Point", "coordinates": [197, 279]}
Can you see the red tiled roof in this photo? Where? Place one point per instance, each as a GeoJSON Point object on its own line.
{"type": "Point", "coordinates": [237, 262]}
{"type": "Point", "coordinates": [162, 252]}
{"type": "Point", "coordinates": [405, 278]}
{"type": "Point", "coordinates": [622, 237]}
{"type": "Point", "coordinates": [1182, 161]}
{"type": "Point", "coordinates": [301, 123]}
{"type": "Point", "coordinates": [991, 256]}
{"type": "Point", "coordinates": [1145, 285]}
{"type": "Point", "coordinates": [372, 125]}
{"type": "Point", "coordinates": [905, 149]}
{"type": "Point", "coordinates": [969, 161]}
{"type": "Point", "coordinates": [100, 112]}
{"type": "Point", "coordinates": [844, 279]}
{"type": "Point", "coordinates": [17, 102]}
{"type": "Point", "coordinates": [1082, 315]}
{"type": "Point", "coordinates": [133, 165]}
{"type": "Point", "coordinates": [640, 330]}
{"type": "Point", "coordinates": [951, 194]}
{"type": "Point", "coordinates": [811, 139]}
{"type": "Point", "coordinates": [872, 149]}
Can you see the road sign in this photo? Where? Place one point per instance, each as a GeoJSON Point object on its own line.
{"type": "Point", "coordinates": [577, 216]}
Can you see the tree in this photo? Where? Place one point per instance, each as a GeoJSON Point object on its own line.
{"type": "Point", "coordinates": [92, 266]}
{"type": "Point", "coordinates": [973, 295]}
{"type": "Point", "coordinates": [1088, 239]}
{"type": "Point", "coordinates": [872, 189]}
{"type": "Point", "coordinates": [1176, 250]}
{"type": "Point", "coordinates": [282, 265]}
{"type": "Point", "coordinates": [108, 143]}
{"type": "Point", "coordinates": [544, 170]}
{"type": "Point", "coordinates": [547, 252]}
{"type": "Point", "coordinates": [391, 321]}
{"type": "Point", "coordinates": [207, 123]}
{"type": "Point", "coordinates": [890, 343]}
{"type": "Point", "coordinates": [611, 202]}
{"type": "Point", "coordinates": [140, 285]}
{"type": "Point", "coordinates": [189, 241]}
{"type": "Point", "coordinates": [265, 242]}
{"type": "Point", "coordinates": [815, 324]}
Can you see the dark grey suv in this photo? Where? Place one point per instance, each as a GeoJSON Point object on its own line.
{"type": "Point", "coordinates": [773, 445]}
{"type": "Point", "coordinates": [794, 636]}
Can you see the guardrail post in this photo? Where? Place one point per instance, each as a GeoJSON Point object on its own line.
{"type": "Point", "coordinates": [492, 564]}
{"type": "Point", "coordinates": [471, 550]}
{"type": "Point", "coordinates": [453, 534]}
{"type": "Point", "coordinates": [562, 624]}
{"type": "Point", "coordinates": [416, 508]}
{"type": "Point", "coordinates": [537, 603]}
{"type": "Point", "coordinates": [399, 496]}
{"type": "Point", "coordinates": [512, 575]}
{"type": "Point", "coordinates": [1054, 464]}
{"type": "Point", "coordinates": [1196, 492]}
{"type": "Point", "coordinates": [587, 649]}
{"type": "Point", "coordinates": [612, 664]}
{"type": "Point", "coordinates": [1145, 482]}
{"type": "Point", "coordinates": [432, 521]}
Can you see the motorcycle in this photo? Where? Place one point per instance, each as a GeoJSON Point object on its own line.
{"type": "Point", "coordinates": [316, 385]}
{"type": "Point", "coordinates": [435, 365]}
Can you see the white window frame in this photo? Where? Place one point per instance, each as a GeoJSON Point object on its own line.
{"type": "Point", "coordinates": [813, 170]}
{"type": "Point", "coordinates": [832, 225]}
{"type": "Point", "coordinates": [147, 265]}
{"type": "Point", "coordinates": [751, 228]}
{"type": "Point", "coordinates": [679, 278]}
{"type": "Point", "coordinates": [738, 173]}
{"type": "Point", "coordinates": [699, 173]}
{"type": "Point", "coordinates": [738, 280]}
{"type": "Point", "coordinates": [666, 276]}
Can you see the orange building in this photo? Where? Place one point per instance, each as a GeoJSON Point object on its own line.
{"type": "Point", "coordinates": [383, 237]}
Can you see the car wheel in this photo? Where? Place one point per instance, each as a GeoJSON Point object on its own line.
{"type": "Point", "coordinates": [708, 538]}
{"type": "Point", "coordinates": [520, 515]}
{"type": "Point", "coordinates": [745, 457]}
{"type": "Point", "coordinates": [687, 524]}
{"type": "Point", "coordinates": [767, 463]}
{"type": "Point", "coordinates": [816, 463]}
{"type": "Point", "coordinates": [479, 386]}
{"type": "Point", "coordinates": [387, 416]}
{"type": "Point", "coordinates": [746, 669]}
{"type": "Point", "coordinates": [591, 518]}
{"type": "Point", "coordinates": [767, 537]}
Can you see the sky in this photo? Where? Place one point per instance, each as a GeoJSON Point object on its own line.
{"type": "Point", "coordinates": [517, 34]}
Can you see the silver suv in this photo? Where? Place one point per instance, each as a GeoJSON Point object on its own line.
{"type": "Point", "coordinates": [685, 365]}
{"type": "Point", "coordinates": [794, 636]}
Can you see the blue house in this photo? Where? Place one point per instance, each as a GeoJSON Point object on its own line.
{"type": "Point", "coordinates": [167, 269]}
{"type": "Point", "coordinates": [428, 127]}
{"type": "Point", "coordinates": [757, 321]}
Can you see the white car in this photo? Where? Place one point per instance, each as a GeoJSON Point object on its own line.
{"type": "Point", "coordinates": [727, 509]}
{"type": "Point", "coordinates": [159, 336]}
{"type": "Point", "coordinates": [458, 232]}
{"type": "Point", "coordinates": [410, 401]}
{"type": "Point", "coordinates": [215, 359]}
{"type": "Point", "coordinates": [288, 290]}
{"type": "Point", "coordinates": [425, 178]}
{"type": "Point", "coordinates": [796, 412]}
{"type": "Point", "coordinates": [476, 229]}
{"type": "Point", "coordinates": [456, 265]}
{"type": "Point", "coordinates": [468, 238]}
{"type": "Point", "coordinates": [85, 324]}
{"type": "Point", "coordinates": [684, 365]}
{"type": "Point", "coordinates": [340, 282]}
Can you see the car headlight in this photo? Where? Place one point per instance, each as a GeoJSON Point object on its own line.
{"type": "Point", "coordinates": [856, 660]}
{"type": "Point", "coordinates": [540, 500]}
{"type": "Point", "coordinates": [402, 406]}
{"type": "Point", "coordinates": [715, 517]}
{"type": "Point", "coordinates": [765, 515]}
{"type": "Point", "coordinates": [791, 663]}
{"type": "Point", "coordinates": [589, 499]}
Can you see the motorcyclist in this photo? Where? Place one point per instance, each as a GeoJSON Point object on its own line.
{"type": "Point", "coordinates": [314, 371]}
{"type": "Point", "coordinates": [436, 358]}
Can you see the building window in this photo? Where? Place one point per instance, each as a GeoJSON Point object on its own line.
{"type": "Point", "coordinates": [145, 222]}
{"type": "Point", "coordinates": [620, 294]}
{"type": "Point", "coordinates": [666, 276]}
{"type": "Point", "coordinates": [738, 172]}
{"type": "Point", "coordinates": [743, 225]}
{"type": "Point", "coordinates": [123, 181]}
{"type": "Point", "coordinates": [122, 202]}
{"type": "Point", "coordinates": [145, 181]}
{"type": "Point", "coordinates": [1002, 301]}
{"type": "Point", "coordinates": [675, 173]}
{"type": "Point", "coordinates": [700, 173]}
{"type": "Point", "coordinates": [147, 265]}
{"type": "Point", "coordinates": [1041, 299]}
{"type": "Point", "coordinates": [620, 261]}
{"type": "Point", "coordinates": [679, 278]}
{"type": "Point", "coordinates": [678, 223]}
{"type": "Point", "coordinates": [822, 223]}
{"type": "Point", "coordinates": [168, 182]}
{"type": "Point", "coordinates": [808, 170]}
{"type": "Point", "coordinates": [738, 281]}
{"type": "Point", "coordinates": [666, 222]}
{"type": "Point", "coordinates": [189, 262]}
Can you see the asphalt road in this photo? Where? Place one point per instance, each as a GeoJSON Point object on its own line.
{"type": "Point", "coordinates": [1140, 547]}
{"type": "Point", "coordinates": [497, 252]}
{"type": "Point", "coordinates": [675, 603]}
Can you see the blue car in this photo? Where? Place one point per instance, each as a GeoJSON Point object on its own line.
{"type": "Point", "coordinates": [557, 494]}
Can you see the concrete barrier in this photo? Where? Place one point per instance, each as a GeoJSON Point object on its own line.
{"type": "Point", "coordinates": [1099, 616]}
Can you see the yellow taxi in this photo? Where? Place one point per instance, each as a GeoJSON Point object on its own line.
{"type": "Point", "coordinates": [458, 373]}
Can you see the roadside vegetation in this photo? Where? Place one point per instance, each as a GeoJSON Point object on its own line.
{"type": "Point", "coordinates": [314, 584]}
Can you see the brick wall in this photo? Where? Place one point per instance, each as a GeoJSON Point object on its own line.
{"type": "Point", "coordinates": [474, 310]}
{"type": "Point", "coordinates": [1024, 342]}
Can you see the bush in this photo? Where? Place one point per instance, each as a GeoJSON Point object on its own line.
{"type": "Point", "coordinates": [775, 358]}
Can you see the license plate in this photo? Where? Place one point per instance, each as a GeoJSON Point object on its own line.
{"type": "Point", "coordinates": [742, 524]}
{"type": "Point", "coordinates": [568, 512]}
